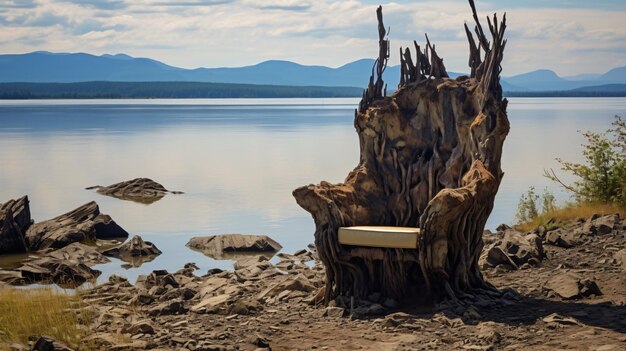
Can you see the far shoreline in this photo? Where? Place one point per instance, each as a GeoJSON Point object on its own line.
{"type": "Point", "coordinates": [100, 90]}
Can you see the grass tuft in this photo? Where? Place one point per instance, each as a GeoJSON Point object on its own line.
{"type": "Point", "coordinates": [28, 313]}
{"type": "Point", "coordinates": [570, 212]}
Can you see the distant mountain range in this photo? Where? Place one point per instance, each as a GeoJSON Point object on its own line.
{"type": "Point", "coordinates": [46, 67]}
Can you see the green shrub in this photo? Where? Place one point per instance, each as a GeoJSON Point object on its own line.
{"type": "Point", "coordinates": [527, 209]}
{"type": "Point", "coordinates": [602, 178]}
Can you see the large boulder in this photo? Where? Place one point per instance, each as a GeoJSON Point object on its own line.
{"type": "Point", "coordinates": [83, 223]}
{"type": "Point", "coordinates": [599, 225]}
{"type": "Point", "coordinates": [14, 221]}
{"type": "Point", "coordinates": [217, 246]}
{"type": "Point", "coordinates": [142, 190]}
{"type": "Point", "coordinates": [133, 248]}
{"type": "Point", "coordinates": [514, 250]}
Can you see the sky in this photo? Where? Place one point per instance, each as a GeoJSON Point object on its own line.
{"type": "Point", "coordinates": [568, 36]}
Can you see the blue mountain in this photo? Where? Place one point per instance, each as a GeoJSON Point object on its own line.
{"type": "Point", "coordinates": [616, 75]}
{"type": "Point", "coordinates": [547, 80]}
{"type": "Point", "coordinates": [41, 66]}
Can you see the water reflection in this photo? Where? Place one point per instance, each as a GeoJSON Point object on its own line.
{"type": "Point", "coordinates": [236, 161]}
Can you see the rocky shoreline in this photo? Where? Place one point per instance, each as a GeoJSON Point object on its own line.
{"type": "Point", "coordinates": [562, 287]}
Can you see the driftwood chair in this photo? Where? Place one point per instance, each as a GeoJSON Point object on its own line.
{"type": "Point", "coordinates": [426, 180]}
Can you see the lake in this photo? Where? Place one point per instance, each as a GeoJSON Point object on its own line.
{"type": "Point", "coordinates": [237, 161]}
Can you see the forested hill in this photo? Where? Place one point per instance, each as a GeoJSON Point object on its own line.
{"type": "Point", "coordinates": [166, 90]}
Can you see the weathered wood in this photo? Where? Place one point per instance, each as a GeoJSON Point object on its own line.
{"type": "Point", "coordinates": [376, 89]}
{"type": "Point", "coordinates": [429, 158]}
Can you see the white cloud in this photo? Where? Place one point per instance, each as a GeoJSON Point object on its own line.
{"type": "Point", "coordinates": [213, 33]}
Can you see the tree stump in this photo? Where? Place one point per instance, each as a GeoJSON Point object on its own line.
{"type": "Point", "coordinates": [429, 158]}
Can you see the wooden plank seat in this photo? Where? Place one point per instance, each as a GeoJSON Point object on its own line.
{"type": "Point", "coordinates": [380, 236]}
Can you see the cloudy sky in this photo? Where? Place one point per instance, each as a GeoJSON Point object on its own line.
{"type": "Point", "coordinates": [568, 36]}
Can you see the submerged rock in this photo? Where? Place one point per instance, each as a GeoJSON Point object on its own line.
{"type": "Point", "coordinates": [14, 221]}
{"type": "Point", "coordinates": [65, 273]}
{"type": "Point", "coordinates": [216, 246]}
{"type": "Point", "coordinates": [79, 253]}
{"type": "Point", "coordinates": [133, 248]}
{"type": "Point", "coordinates": [142, 190]}
{"type": "Point", "coordinates": [81, 224]}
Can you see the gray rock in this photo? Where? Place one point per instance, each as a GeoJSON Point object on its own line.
{"type": "Point", "coordinates": [597, 225]}
{"type": "Point", "coordinates": [514, 250]}
{"type": "Point", "coordinates": [376, 309]}
{"type": "Point", "coordinates": [142, 326]}
{"type": "Point", "coordinates": [135, 247]}
{"type": "Point", "coordinates": [556, 238]}
{"type": "Point", "coordinates": [81, 224]}
{"type": "Point", "coordinates": [503, 227]}
{"type": "Point", "coordinates": [217, 246]}
{"type": "Point", "coordinates": [14, 221]}
{"type": "Point", "coordinates": [46, 343]}
{"type": "Point", "coordinates": [79, 253]}
{"type": "Point", "coordinates": [571, 286]}
{"type": "Point", "coordinates": [143, 190]}
{"type": "Point", "coordinates": [496, 256]}
{"type": "Point", "coordinates": [620, 257]}
{"type": "Point", "coordinates": [65, 273]}
{"type": "Point", "coordinates": [297, 283]}
{"type": "Point", "coordinates": [157, 279]}
{"type": "Point", "coordinates": [167, 308]}
{"type": "Point", "coordinates": [333, 312]}
{"type": "Point", "coordinates": [254, 268]}
{"type": "Point", "coordinates": [11, 277]}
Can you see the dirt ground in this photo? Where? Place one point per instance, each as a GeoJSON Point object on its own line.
{"type": "Point", "coordinates": [266, 306]}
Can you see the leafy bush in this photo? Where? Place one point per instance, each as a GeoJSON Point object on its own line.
{"type": "Point", "coordinates": [527, 209]}
{"type": "Point", "coordinates": [602, 178]}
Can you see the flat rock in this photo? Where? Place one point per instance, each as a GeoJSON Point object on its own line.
{"type": "Point", "coordinates": [333, 312]}
{"type": "Point", "coordinates": [211, 302]}
{"type": "Point", "coordinates": [14, 221]}
{"type": "Point", "coordinates": [557, 238]}
{"type": "Point", "coordinates": [11, 277]}
{"type": "Point", "coordinates": [79, 252]}
{"type": "Point", "coordinates": [65, 273]}
{"type": "Point", "coordinates": [85, 223]}
{"type": "Point", "coordinates": [297, 283]}
{"type": "Point", "coordinates": [135, 247]}
{"type": "Point", "coordinates": [559, 319]}
{"type": "Point", "coordinates": [254, 268]}
{"type": "Point", "coordinates": [167, 308]}
{"type": "Point", "coordinates": [217, 246]}
{"type": "Point", "coordinates": [571, 286]}
{"type": "Point", "coordinates": [143, 190]}
{"type": "Point", "coordinates": [620, 257]}
{"type": "Point", "coordinates": [143, 326]}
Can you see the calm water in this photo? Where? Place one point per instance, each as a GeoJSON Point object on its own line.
{"type": "Point", "coordinates": [236, 160]}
